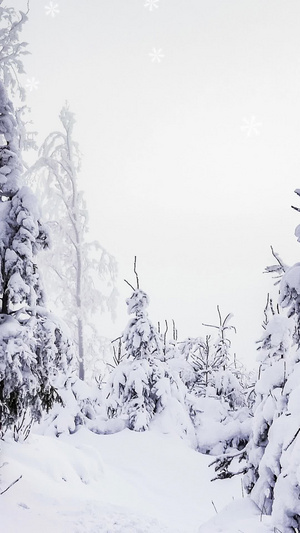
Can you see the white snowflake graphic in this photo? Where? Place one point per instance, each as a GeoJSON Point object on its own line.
{"type": "Point", "coordinates": [156, 55]}
{"type": "Point", "coordinates": [32, 84]}
{"type": "Point", "coordinates": [251, 126]}
{"type": "Point", "coordinates": [52, 9]}
{"type": "Point", "coordinates": [151, 4]}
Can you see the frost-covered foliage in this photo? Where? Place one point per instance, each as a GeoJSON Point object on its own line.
{"type": "Point", "coordinates": [11, 67]}
{"type": "Point", "coordinates": [290, 296]}
{"type": "Point", "coordinates": [214, 370]}
{"type": "Point", "coordinates": [35, 361]}
{"type": "Point", "coordinates": [143, 388]}
{"type": "Point", "coordinates": [22, 234]}
{"type": "Point", "coordinates": [79, 406]}
{"type": "Point", "coordinates": [219, 430]}
{"type": "Point", "coordinates": [32, 344]}
{"type": "Point", "coordinates": [11, 49]}
{"type": "Point", "coordinates": [80, 274]}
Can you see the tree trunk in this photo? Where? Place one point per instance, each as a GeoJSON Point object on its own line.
{"type": "Point", "coordinates": [80, 349]}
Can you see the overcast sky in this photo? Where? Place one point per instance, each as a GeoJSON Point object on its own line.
{"type": "Point", "coordinates": [188, 120]}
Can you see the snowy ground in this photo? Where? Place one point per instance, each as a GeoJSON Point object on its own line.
{"type": "Point", "coordinates": [127, 482]}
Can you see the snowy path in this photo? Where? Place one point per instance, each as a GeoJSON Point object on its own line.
{"type": "Point", "coordinates": [123, 483]}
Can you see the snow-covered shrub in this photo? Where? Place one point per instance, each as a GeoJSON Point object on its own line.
{"type": "Point", "coordinates": [216, 400]}
{"type": "Point", "coordinates": [35, 358]}
{"type": "Point", "coordinates": [218, 429]}
{"type": "Point", "coordinates": [79, 406]}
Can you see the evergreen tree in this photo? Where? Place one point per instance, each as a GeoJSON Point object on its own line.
{"type": "Point", "coordinates": [27, 361]}
{"type": "Point", "coordinates": [274, 466]}
{"type": "Point", "coordinates": [216, 399]}
{"type": "Point", "coordinates": [263, 464]}
{"type": "Point", "coordinates": [143, 386]}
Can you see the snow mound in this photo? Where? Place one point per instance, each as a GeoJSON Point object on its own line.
{"type": "Point", "coordinates": [241, 516]}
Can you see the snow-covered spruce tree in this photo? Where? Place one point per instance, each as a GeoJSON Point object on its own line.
{"type": "Point", "coordinates": [275, 483]}
{"type": "Point", "coordinates": [26, 367]}
{"type": "Point", "coordinates": [216, 396]}
{"type": "Point", "coordinates": [81, 274]}
{"type": "Point", "coordinates": [285, 440]}
{"type": "Point", "coordinates": [263, 463]}
{"type": "Point", "coordinates": [142, 389]}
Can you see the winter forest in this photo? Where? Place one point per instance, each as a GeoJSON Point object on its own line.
{"type": "Point", "coordinates": [114, 417]}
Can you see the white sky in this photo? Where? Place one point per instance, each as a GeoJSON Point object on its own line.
{"type": "Point", "coordinates": [168, 171]}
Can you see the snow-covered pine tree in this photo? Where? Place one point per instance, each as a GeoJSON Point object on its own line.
{"type": "Point", "coordinates": [143, 387]}
{"type": "Point", "coordinates": [80, 273]}
{"type": "Point", "coordinates": [26, 367]}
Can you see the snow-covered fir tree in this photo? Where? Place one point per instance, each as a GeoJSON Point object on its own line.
{"type": "Point", "coordinates": [27, 364]}
{"type": "Point", "coordinates": [81, 274]}
{"type": "Point", "coordinates": [143, 388]}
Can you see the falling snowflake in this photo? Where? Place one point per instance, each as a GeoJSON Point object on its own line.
{"type": "Point", "coordinates": [156, 55]}
{"type": "Point", "coordinates": [251, 126]}
{"type": "Point", "coordinates": [52, 9]}
{"type": "Point", "coordinates": [32, 84]}
{"type": "Point", "coordinates": [151, 4]}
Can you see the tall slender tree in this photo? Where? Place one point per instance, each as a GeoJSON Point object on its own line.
{"type": "Point", "coordinates": [82, 273]}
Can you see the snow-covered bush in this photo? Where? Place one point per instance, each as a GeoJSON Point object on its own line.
{"type": "Point", "coordinates": [79, 406]}
{"type": "Point", "coordinates": [216, 400]}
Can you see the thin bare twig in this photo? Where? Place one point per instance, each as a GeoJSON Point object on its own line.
{"type": "Point", "coordinates": [11, 485]}
{"type": "Point", "coordinates": [280, 262]}
{"type": "Point", "coordinates": [136, 274]}
{"type": "Point", "coordinates": [129, 284]}
{"type": "Point", "coordinates": [165, 333]}
{"type": "Point", "coordinates": [213, 503]}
